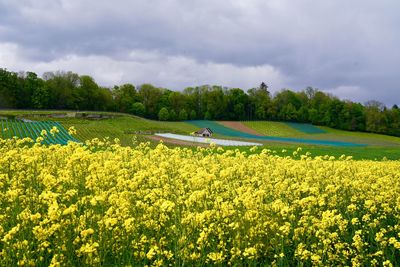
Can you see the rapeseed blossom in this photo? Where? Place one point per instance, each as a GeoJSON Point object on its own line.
{"type": "Point", "coordinates": [101, 204]}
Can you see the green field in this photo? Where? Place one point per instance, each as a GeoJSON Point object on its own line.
{"type": "Point", "coordinates": [273, 128]}
{"type": "Point", "coordinates": [124, 128]}
{"type": "Point", "coordinates": [127, 127]}
{"type": "Point", "coordinates": [33, 130]}
{"type": "Point", "coordinates": [281, 129]}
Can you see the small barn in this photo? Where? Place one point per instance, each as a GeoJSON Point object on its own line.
{"type": "Point", "coordinates": [204, 132]}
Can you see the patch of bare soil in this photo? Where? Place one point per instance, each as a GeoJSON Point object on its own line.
{"type": "Point", "coordinates": [237, 125]}
{"type": "Point", "coordinates": [175, 141]}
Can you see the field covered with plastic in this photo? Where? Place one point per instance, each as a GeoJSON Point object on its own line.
{"type": "Point", "coordinates": [101, 204]}
{"type": "Point", "coordinates": [205, 140]}
{"type": "Point", "coordinates": [229, 132]}
{"type": "Point", "coordinates": [33, 130]}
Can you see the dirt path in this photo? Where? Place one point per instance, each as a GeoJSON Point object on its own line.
{"type": "Point", "coordinates": [175, 141]}
{"type": "Point", "coordinates": [237, 125]}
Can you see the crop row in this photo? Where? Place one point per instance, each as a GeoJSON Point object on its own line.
{"type": "Point", "coordinates": [33, 130]}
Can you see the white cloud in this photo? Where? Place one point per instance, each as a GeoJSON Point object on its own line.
{"type": "Point", "coordinates": [8, 55]}
{"type": "Point", "coordinates": [350, 92]}
{"type": "Point", "coordinates": [140, 66]}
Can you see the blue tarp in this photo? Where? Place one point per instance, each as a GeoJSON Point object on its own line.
{"type": "Point", "coordinates": [305, 128]}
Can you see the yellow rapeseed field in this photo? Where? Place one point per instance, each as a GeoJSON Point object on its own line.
{"type": "Point", "coordinates": [101, 204]}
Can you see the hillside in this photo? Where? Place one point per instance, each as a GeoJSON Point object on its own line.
{"type": "Point", "coordinates": [127, 128]}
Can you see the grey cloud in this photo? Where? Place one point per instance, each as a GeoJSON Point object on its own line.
{"type": "Point", "coordinates": [327, 44]}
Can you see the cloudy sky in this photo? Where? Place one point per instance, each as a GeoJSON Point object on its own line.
{"type": "Point", "coordinates": [348, 48]}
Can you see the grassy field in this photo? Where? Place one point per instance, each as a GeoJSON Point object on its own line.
{"type": "Point", "coordinates": [379, 146]}
{"type": "Point", "coordinates": [281, 129]}
{"type": "Point", "coordinates": [358, 153]}
{"type": "Point", "coordinates": [124, 126]}
{"type": "Point", "coordinates": [273, 128]}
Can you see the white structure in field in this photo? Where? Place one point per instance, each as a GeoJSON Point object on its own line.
{"type": "Point", "coordinates": [221, 142]}
{"type": "Point", "coordinates": [204, 132]}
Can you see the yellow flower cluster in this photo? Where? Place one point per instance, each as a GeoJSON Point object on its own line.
{"type": "Point", "coordinates": [101, 204]}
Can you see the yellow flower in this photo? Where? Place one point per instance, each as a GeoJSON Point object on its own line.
{"type": "Point", "coordinates": [54, 130]}
{"type": "Point", "coordinates": [72, 130]}
{"type": "Point", "coordinates": [100, 202]}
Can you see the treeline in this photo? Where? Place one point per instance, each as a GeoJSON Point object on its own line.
{"type": "Point", "coordinates": [67, 90]}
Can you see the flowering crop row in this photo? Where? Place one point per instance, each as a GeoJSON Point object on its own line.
{"type": "Point", "coordinates": [102, 204]}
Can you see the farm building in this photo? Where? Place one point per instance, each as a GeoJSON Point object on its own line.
{"type": "Point", "coordinates": [204, 132]}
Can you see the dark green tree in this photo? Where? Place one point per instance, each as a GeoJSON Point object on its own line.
{"type": "Point", "coordinates": [150, 96]}
{"type": "Point", "coordinates": [41, 97]}
{"type": "Point", "coordinates": [236, 100]}
{"type": "Point", "coordinates": [216, 103]}
{"type": "Point", "coordinates": [10, 89]}
{"type": "Point", "coordinates": [88, 94]}
{"type": "Point", "coordinates": [172, 115]}
{"type": "Point", "coordinates": [124, 96]}
{"type": "Point", "coordinates": [183, 115]}
{"type": "Point", "coordinates": [163, 114]}
{"type": "Point", "coordinates": [193, 115]}
{"type": "Point", "coordinates": [137, 109]}
{"type": "Point", "coordinates": [259, 103]}
{"type": "Point", "coordinates": [63, 89]}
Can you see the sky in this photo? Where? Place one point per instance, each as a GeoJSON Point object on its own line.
{"type": "Point", "coordinates": [350, 49]}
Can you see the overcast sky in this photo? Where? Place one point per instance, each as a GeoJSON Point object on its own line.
{"type": "Point", "coordinates": [348, 48]}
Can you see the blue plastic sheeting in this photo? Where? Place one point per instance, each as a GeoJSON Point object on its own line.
{"type": "Point", "coordinates": [33, 130]}
{"type": "Point", "coordinates": [305, 128]}
{"type": "Point", "coordinates": [220, 129]}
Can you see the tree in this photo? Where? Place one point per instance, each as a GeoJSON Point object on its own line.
{"type": "Point", "coordinates": [238, 111]}
{"type": "Point", "coordinates": [183, 115]}
{"type": "Point", "coordinates": [68, 90]}
{"type": "Point", "coordinates": [196, 99]}
{"type": "Point", "coordinates": [88, 97]}
{"type": "Point", "coordinates": [30, 83]}
{"type": "Point", "coordinates": [163, 114]}
{"type": "Point", "coordinates": [193, 115]}
{"type": "Point", "coordinates": [105, 99]}
{"type": "Point", "coordinates": [9, 89]}
{"type": "Point", "coordinates": [288, 112]}
{"type": "Point", "coordinates": [124, 96]}
{"type": "Point", "coordinates": [376, 121]}
{"type": "Point", "coordinates": [259, 103]}
{"type": "Point", "coordinates": [260, 113]}
{"type": "Point", "coordinates": [236, 100]}
{"type": "Point", "coordinates": [150, 96]}
{"type": "Point", "coordinates": [313, 116]}
{"type": "Point", "coordinates": [172, 115]}
{"type": "Point", "coordinates": [176, 101]}
{"type": "Point", "coordinates": [216, 103]}
{"type": "Point", "coordinates": [302, 114]}
{"type": "Point", "coordinates": [63, 89]}
{"type": "Point", "coordinates": [208, 116]}
{"type": "Point", "coordinates": [263, 86]}
{"type": "Point", "coordinates": [41, 97]}
{"type": "Point", "coordinates": [137, 109]}
{"type": "Point", "coordinates": [393, 116]}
